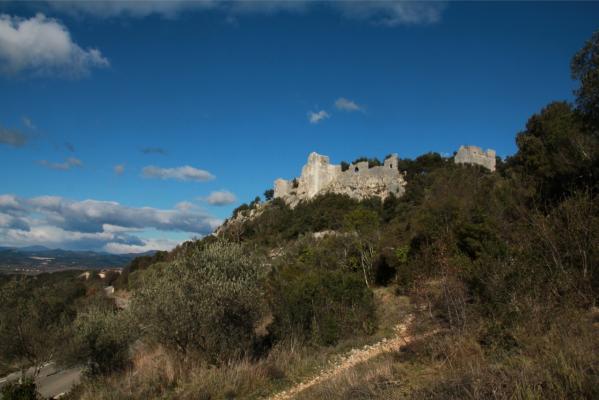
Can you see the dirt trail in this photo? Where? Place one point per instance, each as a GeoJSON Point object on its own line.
{"type": "Point", "coordinates": [351, 359]}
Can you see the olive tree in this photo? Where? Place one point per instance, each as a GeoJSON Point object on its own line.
{"type": "Point", "coordinates": [205, 303]}
{"type": "Point", "coordinates": [101, 336]}
{"type": "Point", "coordinates": [32, 323]}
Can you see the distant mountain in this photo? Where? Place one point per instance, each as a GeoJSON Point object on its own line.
{"type": "Point", "coordinates": [40, 258]}
{"type": "Point", "coordinates": [33, 248]}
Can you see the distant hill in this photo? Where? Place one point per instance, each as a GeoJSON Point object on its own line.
{"type": "Point", "coordinates": [40, 258]}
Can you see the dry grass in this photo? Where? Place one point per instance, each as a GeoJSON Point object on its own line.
{"type": "Point", "coordinates": [154, 374]}
{"type": "Point", "coordinates": [560, 363]}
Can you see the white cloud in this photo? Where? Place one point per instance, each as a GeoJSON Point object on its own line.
{"type": "Point", "coordinates": [119, 169]}
{"type": "Point", "coordinates": [62, 166]}
{"type": "Point", "coordinates": [54, 221]}
{"type": "Point", "coordinates": [43, 46]}
{"type": "Point", "coordinates": [9, 201]}
{"type": "Point", "coordinates": [135, 9]}
{"type": "Point", "coordinates": [386, 12]}
{"type": "Point", "coordinates": [344, 104]}
{"type": "Point", "coordinates": [185, 173]}
{"type": "Point", "coordinates": [146, 245]}
{"type": "Point", "coordinates": [12, 137]}
{"type": "Point", "coordinates": [316, 117]}
{"type": "Point", "coordinates": [220, 198]}
{"type": "Point", "coordinates": [392, 13]}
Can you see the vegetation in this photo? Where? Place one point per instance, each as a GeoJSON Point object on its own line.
{"type": "Point", "coordinates": [203, 304]}
{"type": "Point", "coordinates": [25, 390]}
{"type": "Point", "coordinates": [35, 313]}
{"type": "Point", "coordinates": [100, 339]}
{"type": "Point", "coordinates": [269, 194]}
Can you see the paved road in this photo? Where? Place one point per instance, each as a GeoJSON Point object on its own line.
{"type": "Point", "coordinates": [51, 381]}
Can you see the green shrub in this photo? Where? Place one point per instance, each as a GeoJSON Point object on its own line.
{"type": "Point", "coordinates": [205, 303]}
{"type": "Point", "coordinates": [322, 306]}
{"type": "Point", "coordinates": [101, 339]}
{"type": "Point", "coordinates": [25, 390]}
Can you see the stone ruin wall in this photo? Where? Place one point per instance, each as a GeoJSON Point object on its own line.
{"type": "Point", "coordinates": [358, 181]}
{"type": "Point", "coordinates": [476, 155]}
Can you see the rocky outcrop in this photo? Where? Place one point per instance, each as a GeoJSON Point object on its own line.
{"type": "Point", "coordinates": [358, 181]}
{"type": "Point", "coordinates": [476, 155]}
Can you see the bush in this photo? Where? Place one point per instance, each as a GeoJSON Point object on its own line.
{"type": "Point", "coordinates": [101, 339]}
{"type": "Point", "coordinates": [204, 304]}
{"type": "Point", "coordinates": [269, 194]}
{"type": "Point", "coordinates": [374, 162]}
{"type": "Point", "coordinates": [25, 390]}
{"type": "Point", "coordinates": [322, 306]}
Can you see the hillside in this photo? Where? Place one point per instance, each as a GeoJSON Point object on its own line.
{"type": "Point", "coordinates": [470, 280]}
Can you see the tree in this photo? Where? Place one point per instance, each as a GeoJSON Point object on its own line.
{"type": "Point", "coordinates": [33, 320]}
{"type": "Point", "coordinates": [364, 224]}
{"type": "Point", "coordinates": [101, 339]}
{"type": "Point", "coordinates": [555, 153]}
{"type": "Point", "coordinates": [269, 194]}
{"type": "Point", "coordinates": [255, 202]}
{"type": "Point", "coordinates": [585, 68]}
{"type": "Point", "coordinates": [205, 303]}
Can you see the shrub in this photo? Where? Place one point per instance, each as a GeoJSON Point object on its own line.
{"type": "Point", "coordinates": [322, 306]}
{"type": "Point", "coordinates": [203, 304]}
{"type": "Point", "coordinates": [374, 162]}
{"type": "Point", "coordinates": [269, 194]}
{"type": "Point", "coordinates": [25, 390]}
{"type": "Point", "coordinates": [101, 339]}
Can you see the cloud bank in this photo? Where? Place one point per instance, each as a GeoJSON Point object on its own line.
{"type": "Point", "coordinates": [220, 198]}
{"type": "Point", "coordinates": [185, 173]}
{"type": "Point", "coordinates": [42, 46]}
{"type": "Point", "coordinates": [384, 12]}
{"type": "Point", "coordinates": [54, 221]}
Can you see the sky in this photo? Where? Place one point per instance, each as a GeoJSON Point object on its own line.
{"type": "Point", "coordinates": [132, 126]}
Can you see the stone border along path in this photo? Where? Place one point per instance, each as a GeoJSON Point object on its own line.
{"type": "Point", "coordinates": [353, 358]}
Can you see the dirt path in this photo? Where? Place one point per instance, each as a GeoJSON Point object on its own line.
{"type": "Point", "coordinates": [351, 359]}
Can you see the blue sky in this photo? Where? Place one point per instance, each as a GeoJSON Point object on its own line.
{"type": "Point", "coordinates": [119, 120]}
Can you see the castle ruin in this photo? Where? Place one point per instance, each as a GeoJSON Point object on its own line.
{"type": "Point", "coordinates": [358, 181]}
{"type": "Point", "coordinates": [476, 155]}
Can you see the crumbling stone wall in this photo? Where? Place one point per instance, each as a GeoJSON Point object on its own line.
{"type": "Point", "coordinates": [476, 155]}
{"type": "Point", "coordinates": [358, 181]}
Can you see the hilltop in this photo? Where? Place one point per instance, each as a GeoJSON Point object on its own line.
{"type": "Point", "coordinates": [450, 278]}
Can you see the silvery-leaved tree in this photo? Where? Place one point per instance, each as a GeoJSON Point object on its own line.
{"type": "Point", "coordinates": [205, 304]}
{"type": "Point", "coordinates": [32, 323]}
